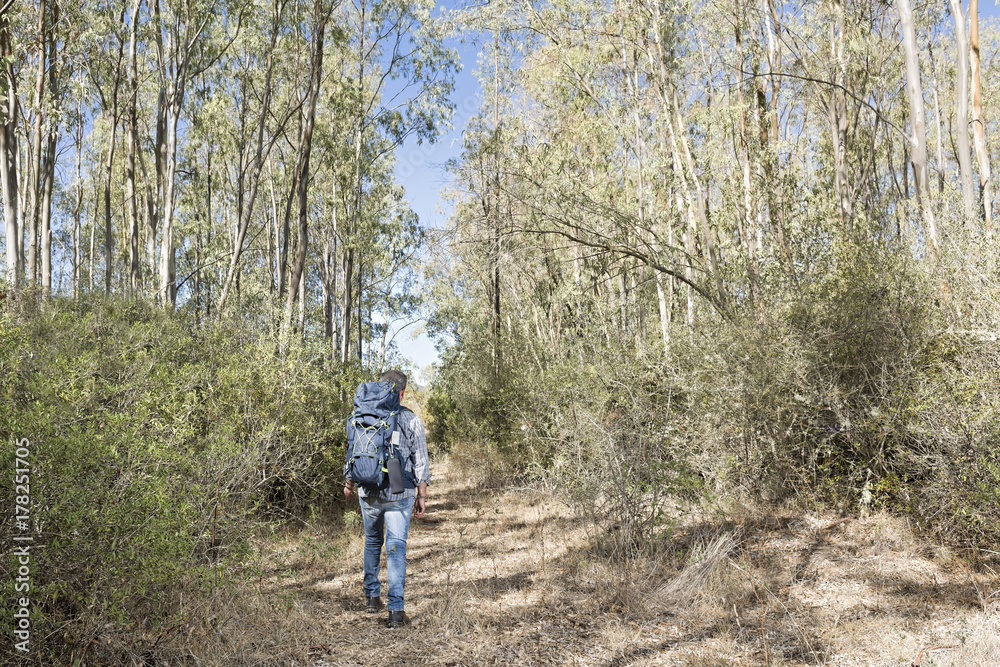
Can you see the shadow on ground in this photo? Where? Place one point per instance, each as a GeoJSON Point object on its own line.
{"type": "Point", "coordinates": [511, 580]}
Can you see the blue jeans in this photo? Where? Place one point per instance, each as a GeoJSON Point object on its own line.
{"type": "Point", "coordinates": [393, 519]}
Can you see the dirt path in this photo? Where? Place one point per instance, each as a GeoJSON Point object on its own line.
{"type": "Point", "coordinates": [506, 579]}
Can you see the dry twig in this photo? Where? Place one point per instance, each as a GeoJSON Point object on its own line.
{"type": "Point", "coordinates": [920, 655]}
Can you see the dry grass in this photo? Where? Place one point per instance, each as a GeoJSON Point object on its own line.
{"type": "Point", "coordinates": [510, 579]}
{"type": "Point", "coordinates": [693, 581]}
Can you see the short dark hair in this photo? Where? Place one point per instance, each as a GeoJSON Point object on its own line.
{"type": "Point", "coordinates": [397, 377]}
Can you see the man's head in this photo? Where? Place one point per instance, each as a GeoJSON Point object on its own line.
{"type": "Point", "coordinates": [396, 377]}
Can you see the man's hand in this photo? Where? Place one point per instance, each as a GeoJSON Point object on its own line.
{"type": "Point", "coordinates": [348, 489]}
{"type": "Point", "coordinates": [420, 502]}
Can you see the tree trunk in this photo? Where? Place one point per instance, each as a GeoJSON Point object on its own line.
{"type": "Point", "coordinates": [273, 254]}
{"type": "Point", "coordinates": [495, 215]}
{"type": "Point", "coordinates": [154, 196]}
{"type": "Point", "coordinates": [978, 122]}
{"type": "Point", "coordinates": [208, 283]}
{"type": "Point", "coordinates": [209, 218]}
{"type": "Point", "coordinates": [168, 270]}
{"type": "Point", "coordinates": [302, 172]}
{"type": "Point", "coordinates": [918, 142]}
{"type": "Point", "coordinates": [8, 157]}
{"type": "Point", "coordinates": [360, 302]}
{"type": "Point", "coordinates": [329, 280]}
{"type": "Point", "coordinates": [258, 161]}
{"type": "Point", "coordinates": [838, 117]}
{"type": "Point", "coordinates": [50, 161]}
{"type": "Point", "coordinates": [78, 204]}
{"type": "Point", "coordinates": [775, 190]}
{"type": "Point", "coordinates": [747, 223]}
{"type": "Point", "coordinates": [286, 229]}
{"type": "Point", "coordinates": [93, 235]}
{"type": "Point", "coordinates": [962, 112]}
{"type": "Point", "coordinates": [302, 306]}
{"type": "Point", "coordinates": [495, 278]}
{"type": "Point", "coordinates": [353, 226]}
{"type": "Point", "coordinates": [108, 165]}
{"type": "Point", "coordinates": [939, 141]}
{"type": "Point", "coordinates": [325, 286]}
{"type": "Point", "coordinates": [135, 272]}
{"type": "Point", "coordinates": [345, 327]}
{"type": "Point", "coordinates": [35, 157]}
{"type": "Point", "coordinates": [707, 234]}
{"type": "Point", "coordinates": [46, 219]}
{"type": "Point", "coordinates": [334, 332]}
{"type": "Point", "coordinates": [180, 47]}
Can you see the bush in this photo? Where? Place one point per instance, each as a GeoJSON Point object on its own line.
{"type": "Point", "coordinates": [949, 475]}
{"type": "Point", "coordinates": [854, 390]}
{"type": "Point", "coordinates": [158, 449]}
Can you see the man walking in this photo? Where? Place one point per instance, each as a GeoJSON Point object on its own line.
{"type": "Point", "coordinates": [387, 515]}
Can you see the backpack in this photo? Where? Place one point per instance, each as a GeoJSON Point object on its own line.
{"type": "Point", "coordinates": [372, 435]}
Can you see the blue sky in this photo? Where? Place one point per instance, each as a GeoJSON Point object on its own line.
{"type": "Point", "coordinates": [421, 168]}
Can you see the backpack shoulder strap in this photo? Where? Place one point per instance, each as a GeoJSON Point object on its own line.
{"type": "Point", "coordinates": [393, 425]}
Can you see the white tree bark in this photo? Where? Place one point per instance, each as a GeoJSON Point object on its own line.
{"type": "Point", "coordinates": [918, 140]}
{"type": "Point", "coordinates": [962, 111]}
{"type": "Point", "coordinates": [8, 156]}
{"type": "Point", "coordinates": [978, 122]}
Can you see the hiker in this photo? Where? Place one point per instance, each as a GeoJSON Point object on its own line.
{"type": "Point", "coordinates": [384, 511]}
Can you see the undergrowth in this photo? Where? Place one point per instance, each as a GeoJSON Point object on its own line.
{"type": "Point", "coordinates": [861, 391]}
{"type": "Point", "coordinates": [158, 449]}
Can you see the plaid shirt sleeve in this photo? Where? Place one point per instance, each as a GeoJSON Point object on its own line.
{"type": "Point", "coordinates": [413, 429]}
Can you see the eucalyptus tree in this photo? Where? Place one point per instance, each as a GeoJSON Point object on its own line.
{"type": "Point", "coordinates": [205, 222]}
{"type": "Point", "coordinates": [131, 193]}
{"type": "Point", "coordinates": [760, 167]}
{"type": "Point", "coordinates": [716, 169]}
{"type": "Point", "coordinates": [978, 120]}
{"type": "Point", "coordinates": [593, 165]}
{"type": "Point", "coordinates": [402, 77]}
{"type": "Point", "coordinates": [9, 146]}
{"type": "Point", "coordinates": [51, 66]}
{"type": "Point", "coordinates": [962, 110]}
{"type": "Point", "coordinates": [321, 14]}
{"type": "Point", "coordinates": [387, 237]}
{"type": "Point", "coordinates": [35, 154]}
{"type": "Point", "coordinates": [43, 57]}
{"type": "Point", "coordinates": [59, 70]}
{"type": "Point", "coordinates": [252, 156]}
{"type": "Point", "coordinates": [918, 142]}
{"type": "Point", "coordinates": [483, 168]}
{"type": "Point", "coordinates": [190, 37]}
{"type": "Point", "coordinates": [106, 34]}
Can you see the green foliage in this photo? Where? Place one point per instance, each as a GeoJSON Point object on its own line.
{"type": "Point", "coordinates": [846, 392]}
{"type": "Point", "coordinates": [673, 274]}
{"type": "Point", "coordinates": [443, 427]}
{"type": "Point", "coordinates": [948, 470]}
{"type": "Point", "coordinates": [811, 388]}
{"type": "Point", "coordinates": [158, 448]}
{"type": "Point", "coordinates": [353, 520]}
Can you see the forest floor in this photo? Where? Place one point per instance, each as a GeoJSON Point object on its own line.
{"type": "Point", "coordinates": [509, 579]}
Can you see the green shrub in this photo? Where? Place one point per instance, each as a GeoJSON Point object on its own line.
{"type": "Point", "coordinates": [158, 449]}
{"type": "Point", "coordinates": [873, 383]}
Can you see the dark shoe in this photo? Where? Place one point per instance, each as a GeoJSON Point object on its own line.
{"type": "Point", "coordinates": [398, 619]}
{"type": "Point", "coordinates": [373, 605]}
